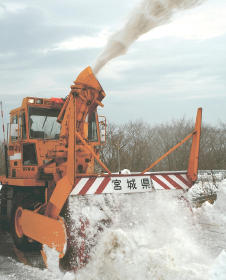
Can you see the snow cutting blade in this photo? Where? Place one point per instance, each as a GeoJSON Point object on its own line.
{"type": "Point", "coordinates": [42, 229]}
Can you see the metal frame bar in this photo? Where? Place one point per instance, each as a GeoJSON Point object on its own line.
{"type": "Point", "coordinates": [194, 152]}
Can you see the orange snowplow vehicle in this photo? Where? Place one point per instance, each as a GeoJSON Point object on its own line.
{"type": "Point", "coordinates": [51, 153]}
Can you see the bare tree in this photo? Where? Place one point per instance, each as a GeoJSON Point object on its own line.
{"type": "Point", "coordinates": [213, 147]}
{"type": "Point", "coordinates": [135, 145]}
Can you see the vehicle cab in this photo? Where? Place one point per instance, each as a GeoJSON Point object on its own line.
{"type": "Point", "coordinates": [38, 146]}
{"type": "Point", "coordinates": [33, 131]}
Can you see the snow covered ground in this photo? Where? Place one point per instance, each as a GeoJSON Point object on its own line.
{"type": "Point", "coordinates": [152, 236]}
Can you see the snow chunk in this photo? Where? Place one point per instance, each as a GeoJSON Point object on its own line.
{"type": "Point", "coordinates": [218, 270]}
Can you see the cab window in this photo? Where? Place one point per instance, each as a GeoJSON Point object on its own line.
{"type": "Point", "coordinates": [92, 128]}
{"type": "Point", "coordinates": [43, 123]}
{"type": "Point", "coordinates": [14, 128]}
{"type": "Point", "coordinates": [23, 130]}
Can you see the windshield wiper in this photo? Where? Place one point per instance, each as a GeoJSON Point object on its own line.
{"type": "Point", "coordinates": [44, 121]}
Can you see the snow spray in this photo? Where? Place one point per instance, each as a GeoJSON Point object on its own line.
{"type": "Point", "coordinates": [152, 236]}
{"type": "Point", "coordinates": [148, 15]}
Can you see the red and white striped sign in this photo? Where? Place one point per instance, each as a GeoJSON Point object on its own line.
{"type": "Point", "coordinates": [133, 183]}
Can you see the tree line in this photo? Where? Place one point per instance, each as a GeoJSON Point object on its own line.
{"type": "Point", "coordinates": [135, 145]}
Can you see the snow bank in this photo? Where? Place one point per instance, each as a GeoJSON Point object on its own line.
{"type": "Point", "coordinates": [218, 270]}
{"type": "Point", "coordinates": [150, 236]}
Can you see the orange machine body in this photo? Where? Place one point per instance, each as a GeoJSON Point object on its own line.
{"type": "Point", "coordinates": [50, 141]}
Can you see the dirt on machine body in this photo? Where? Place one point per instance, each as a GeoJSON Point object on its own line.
{"type": "Point", "coordinates": [53, 146]}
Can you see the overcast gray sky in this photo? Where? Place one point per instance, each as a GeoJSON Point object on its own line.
{"type": "Point", "coordinates": [168, 73]}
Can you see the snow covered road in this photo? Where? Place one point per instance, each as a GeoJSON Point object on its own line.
{"type": "Point", "coordinates": [151, 237]}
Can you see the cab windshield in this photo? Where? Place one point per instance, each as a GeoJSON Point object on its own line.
{"type": "Point", "coordinates": [43, 123]}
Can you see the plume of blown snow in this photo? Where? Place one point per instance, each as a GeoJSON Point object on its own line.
{"type": "Point", "coordinates": [150, 237]}
{"type": "Point", "coordinates": [146, 16]}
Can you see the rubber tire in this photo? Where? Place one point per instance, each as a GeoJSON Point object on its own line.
{"type": "Point", "coordinates": [4, 223]}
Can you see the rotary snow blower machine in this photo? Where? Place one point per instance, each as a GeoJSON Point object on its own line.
{"type": "Point", "coordinates": [53, 145]}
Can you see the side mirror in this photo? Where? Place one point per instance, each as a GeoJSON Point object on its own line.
{"type": "Point", "coordinates": [103, 129]}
